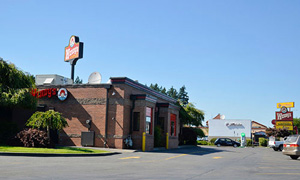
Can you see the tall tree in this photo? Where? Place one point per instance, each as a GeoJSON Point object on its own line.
{"type": "Point", "coordinates": [15, 87]}
{"type": "Point", "coordinates": [172, 93]}
{"type": "Point", "coordinates": [78, 80]}
{"type": "Point", "coordinates": [182, 96]}
{"type": "Point", "coordinates": [297, 123]}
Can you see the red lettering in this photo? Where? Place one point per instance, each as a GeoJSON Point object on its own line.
{"type": "Point", "coordinates": [54, 91]}
{"type": "Point", "coordinates": [49, 93]}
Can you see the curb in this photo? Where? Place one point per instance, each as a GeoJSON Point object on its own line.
{"type": "Point", "coordinates": [56, 155]}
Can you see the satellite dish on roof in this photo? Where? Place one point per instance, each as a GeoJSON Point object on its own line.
{"type": "Point", "coordinates": [222, 116]}
{"type": "Point", "coordinates": [95, 78]}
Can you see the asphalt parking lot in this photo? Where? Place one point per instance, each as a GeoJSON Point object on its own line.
{"type": "Point", "coordinates": [186, 163]}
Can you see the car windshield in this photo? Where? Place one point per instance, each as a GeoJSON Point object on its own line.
{"type": "Point", "coordinates": [292, 139]}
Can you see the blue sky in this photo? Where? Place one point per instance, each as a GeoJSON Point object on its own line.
{"type": "Point", "coordinates": [238, 58]}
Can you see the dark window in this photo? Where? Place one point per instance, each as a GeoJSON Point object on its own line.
{"type": "Point", "coordinates": [136, 121]}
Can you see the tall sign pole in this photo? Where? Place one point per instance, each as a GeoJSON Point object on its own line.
{"type": "Point", "coordinates": [73, 52]}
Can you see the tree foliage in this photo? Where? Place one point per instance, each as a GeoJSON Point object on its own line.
{"type": "Point", "coordinates": [277, 132]}
{"type": "Point", "coordinates": [78, 80]}
{"type": "Point", "coordinates": [296, 122]}
{"type": "Point", "coordinates": [51, 119]}
{"type": "Point", "coordinates": [15, 87]}
{"type": "Point", "coordinates": [188, 113]}
{"type": "Point", "coordinates": [195, 116]}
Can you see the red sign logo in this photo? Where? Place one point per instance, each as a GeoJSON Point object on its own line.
{"type": "Point", "coordinates": [74, 50]}
{"type": "Point", "coordinates": [46, 92]}
{"type": "Point", "coordinates": [288, 116]}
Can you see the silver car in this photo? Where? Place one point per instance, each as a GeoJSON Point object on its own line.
{"type": "Point", "coordinates": [291, 146]}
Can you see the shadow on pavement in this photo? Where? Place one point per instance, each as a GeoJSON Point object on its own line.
{"type": "Point", "coordinates": [192, 150]}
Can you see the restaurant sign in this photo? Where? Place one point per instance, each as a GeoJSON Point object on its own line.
{"type": "Point", "coordinates": [288, 116]}
{"type": "Point", "coordinates": [74, 50]}
{"type": "Point", "coordinates": [286, 104]}
{"type": "Point", "coordinates": [61, 93]}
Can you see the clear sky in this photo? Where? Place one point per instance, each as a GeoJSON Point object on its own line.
{"type": "Point", "coordinates": [238, 58]}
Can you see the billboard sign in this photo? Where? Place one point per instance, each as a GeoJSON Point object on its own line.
{"type": "Point", "coordinates": [74, 50]}
{"type": "Point", "coordinates": [286, 104]}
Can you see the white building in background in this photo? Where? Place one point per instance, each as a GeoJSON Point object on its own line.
{"type": "Point", "coordinates": [229, 128]}
{"type": "Point", "coordinates": [52, 79]}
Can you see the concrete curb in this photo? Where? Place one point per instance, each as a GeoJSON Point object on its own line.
{"type": "Point", "coordinates": [56, 155]}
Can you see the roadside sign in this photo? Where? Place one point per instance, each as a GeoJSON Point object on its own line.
{"type": "Point", "coordinates": [273, 122]}
{"type": "Point", "coordinates": [284, 116]}
{"type": "Point", "coordinates": [285, 127]}
{"type": "Point", "coordinates": [286, 104]}
{"type": "Point", "coordinates": [284, 123]}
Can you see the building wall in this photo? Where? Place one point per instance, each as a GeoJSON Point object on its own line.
{"type": "Point", "coordinates": [88, 102]}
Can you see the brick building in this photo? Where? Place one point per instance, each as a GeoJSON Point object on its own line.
{"type": "Point", "coordinates": [119, 111]}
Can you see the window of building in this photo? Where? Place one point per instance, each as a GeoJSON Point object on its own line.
{"type": "Point", "coordinates": [149, 120]}
{"type": "Point", "coordinates": [173, 124]}
{"type": "Point", "coordinates": [136, 121]}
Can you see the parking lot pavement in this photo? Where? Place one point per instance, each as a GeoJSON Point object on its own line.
{"type": "Point", "coordinates": [206, 162]}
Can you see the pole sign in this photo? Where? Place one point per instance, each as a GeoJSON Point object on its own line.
{"type": "Point", "coordinates": [284, 118]}
{"type": "Point", "coordinates": [74, 50]}
{"type": "Point", "coordinates": [286, 104]}
{"type": "Point", "coordinates": [288, 116]}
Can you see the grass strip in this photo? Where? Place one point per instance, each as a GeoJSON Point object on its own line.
{"type": "Point", "coordinates": [58, 150]}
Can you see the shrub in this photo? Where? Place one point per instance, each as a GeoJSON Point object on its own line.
{"type": "Point", "coordinates": [263, 142]}
{"type": "Point", "coordinates": [202, 142]}
{"type": "Point", "coordinates": [212, 141]}
{"type": "Point", "coordinates": [249, 142]}
{"type": "Point", "coordinates": [32, 138]}
{"type": "Point", "coordinates": [157, 136]}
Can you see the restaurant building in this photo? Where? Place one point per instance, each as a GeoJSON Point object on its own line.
{"type": "Point", "coordinates": [113, 115]}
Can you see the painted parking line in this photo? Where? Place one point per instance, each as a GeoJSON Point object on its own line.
{"type": "Point", "coordinates": [176, 156]}
{"type": "Point", "coordinates": [217, 157]}
{"type": "Point", "coordinates": [132, 157]}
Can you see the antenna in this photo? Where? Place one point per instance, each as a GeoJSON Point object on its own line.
{"type": "Point", "coordinates": [95, 78]}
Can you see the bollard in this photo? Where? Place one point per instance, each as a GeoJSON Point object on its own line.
{"type": "Point", "coordinates": [167, 140]}
{"type": "Point", "coordinates": [144, 142]}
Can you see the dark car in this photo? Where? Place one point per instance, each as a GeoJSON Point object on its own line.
{"type": "Point", "coordinates": [226, 142]}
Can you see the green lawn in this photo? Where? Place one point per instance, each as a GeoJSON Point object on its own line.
{"type": "Point", "coordinates": [58, 150]}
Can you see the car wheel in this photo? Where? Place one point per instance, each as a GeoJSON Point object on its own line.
{"type": "Point", "coordinates": [280, 148]}
{"type": "Point", "coordinates": [275, 149]}
{"type": "Point", "coordinates": [294, 157]}
{"type": "Point", "coordinates": [218, 145]}
{"type": "Point", "coordinates": [235, 145]}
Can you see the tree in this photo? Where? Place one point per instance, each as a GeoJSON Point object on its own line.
{"type": "Point", "coordinates": [78, 80]}
{"type": "Point", "coordinates": [297, 123]}
{"type": "Point", "coordinates": [172, 93]}
{"type": "Point", "coordinates": [49, 119]}
{"type": "Point", "coordinates": [15, 87]}
{"type": "Point", "coordinates": [277, 132]}
{"type": "Point", "coordinates": [182, 96]}
{"type": "Point", "coordinates": [196, 116]}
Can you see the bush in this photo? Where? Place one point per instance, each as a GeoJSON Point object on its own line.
{"type": "Point", "coordinates": [188, 136]}
{"type": "Point", "coordinates": [202, 142]}
{"type": "Point", "coordinates": [249, 142]}
{"type": "Point", "coordinates": [7, 131]}
{"type": "Point", "coordinates": [263, 142]}
{"type": "Point", "coordinates": [32, 138]}
{"type": "Point", "coordinates": [157, 136]}
{"type": "Point", "coordinates": [212, 141]}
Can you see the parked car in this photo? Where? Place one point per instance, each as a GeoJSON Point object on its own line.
{"type": "Point", "coordinates": [291, 146]}
{"type": "Point", "coordinates": [276, 145]}
{"type": "Point", "coordinates": [226, 142]}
